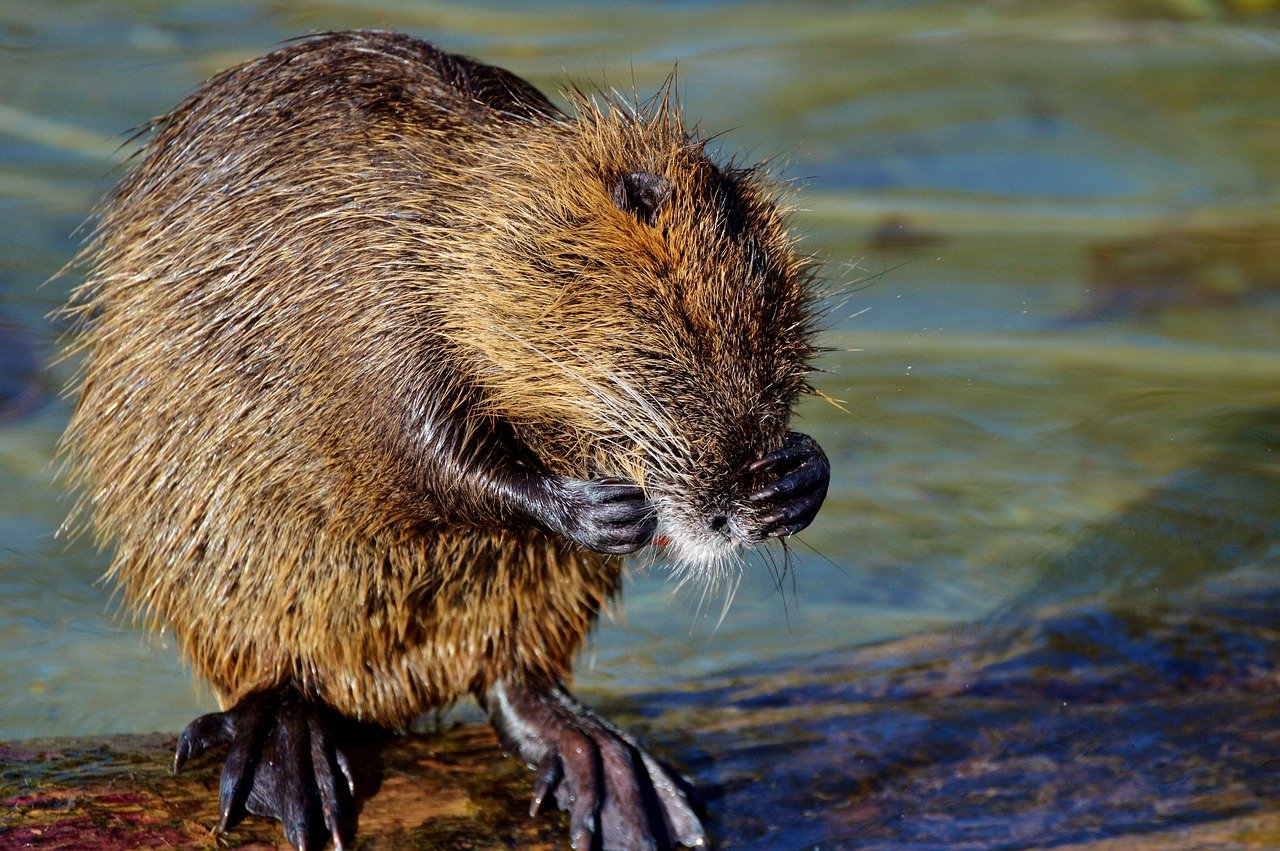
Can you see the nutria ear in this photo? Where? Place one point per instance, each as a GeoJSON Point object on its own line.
{"type": "Point", "coordinates": [641, 193]}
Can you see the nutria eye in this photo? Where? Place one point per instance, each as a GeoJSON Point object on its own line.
{"type": "Point", "coordinates": [640, 193]}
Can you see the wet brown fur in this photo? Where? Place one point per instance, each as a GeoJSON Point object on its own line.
{"type": "Point", "coordinates": [323, 251]}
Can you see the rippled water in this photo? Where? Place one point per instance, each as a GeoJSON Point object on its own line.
{"type": "Point", "coordinates": [1053, 235]}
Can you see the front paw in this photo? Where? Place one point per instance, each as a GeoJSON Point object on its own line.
{"type": "Point", "coordinates": [606, 515]}
{"type": "Point", "coordinates": [791, 485]}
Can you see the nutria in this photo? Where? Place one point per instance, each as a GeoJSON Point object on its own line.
{"type": "Point", "coordinates": [387, 361]}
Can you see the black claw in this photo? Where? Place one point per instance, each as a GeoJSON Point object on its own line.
{"type": "Point", "coordinates": [582, 822]}
{"type": "Point", "coordinates": [345, 767]}
{"type": "Point", "coordinates": [186, 749]}
{"type": "Point", "coordinates": [295, 830]}
{"type": "Point", "coordinates": [798, 449]}
{"type": "Point", "coordinates": [233, 790]}
{"type": "Point", "coordinates": [618, 490]}
{"type": "Point", "coordinates": [248, 721]}
{"type": "Point", "coordinates": [549, 775]}
{"type": "Point", "coordinates": [201, 734]}
{"type": "Point", "coordinates": [326, 782]}
{"type": "Point", "coordinates": [770, 520]}
{"type": "Point", "coordinates": [799, 514]}
{"type": "Point", "coordinates": [804, 479]}
{"type": "Point", "coordinates": [680, 805]}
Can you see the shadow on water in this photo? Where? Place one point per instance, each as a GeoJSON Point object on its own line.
{"type": "Point", "coordinates": [1181, 268]}
{"type": "Point", "coordinates": [1218, 516]}
{"type": "Point", "coordinates": [1137, 708]}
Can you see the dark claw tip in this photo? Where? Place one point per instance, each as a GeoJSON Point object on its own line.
{"type": "Point", "coordinates": [549, 776]}
{"type": "Point", "coordinates": [345, 766]}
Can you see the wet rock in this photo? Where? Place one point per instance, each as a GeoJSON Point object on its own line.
{"type": "Point", "coordinates": [1087, 727]}
{"type": "Point", "coordinates": [449, 790]}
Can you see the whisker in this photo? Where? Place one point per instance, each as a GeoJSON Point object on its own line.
{"type": "Point", "coordinates": [779, 573]}
{"type": "Point", "coordinates": [822, 556]}
{"type": "Point", "coordinates": [734, 584]}
{"type": "Point", "coordinates": [786, 568]}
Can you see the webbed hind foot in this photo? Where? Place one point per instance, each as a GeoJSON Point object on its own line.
{"type": "Point", "coordinates": [617, 795]}
{"type": "Point", "coordinates": [282, 763]}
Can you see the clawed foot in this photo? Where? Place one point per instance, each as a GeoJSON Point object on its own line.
{"type": "Point", "coordinates": [617, 795]}
{"type": "Point", "coordinates": [606, 515]}
{"type": "Point", "coordinates": [282, 764]}
{"type": "Point", "coordinates": [791, 485]}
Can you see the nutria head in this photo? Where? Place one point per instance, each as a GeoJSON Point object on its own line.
{"type": "Point", "coordinates": [644, 313]}
{"type": "Point", "coordinates": [351, 247]}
